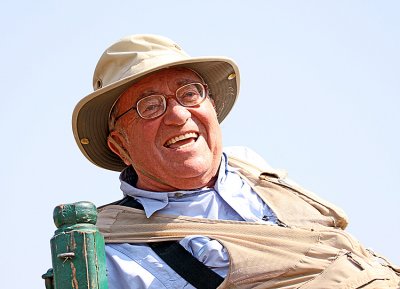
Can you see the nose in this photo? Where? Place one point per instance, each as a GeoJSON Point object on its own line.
{"type": "Point", "coordinates": [175, 114]}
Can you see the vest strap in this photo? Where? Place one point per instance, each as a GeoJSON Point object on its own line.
{"type": "Point", "coordinates": [187, 266]}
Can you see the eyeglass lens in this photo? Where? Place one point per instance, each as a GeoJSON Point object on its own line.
{"type": "Point", "coordinates": [155, 105]}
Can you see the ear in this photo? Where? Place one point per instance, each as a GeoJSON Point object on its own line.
{"type": "Point", "coordinates": [115, 142]}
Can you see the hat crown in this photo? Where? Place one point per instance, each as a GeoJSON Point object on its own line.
{"type": "Point", "coordinates": [134, 54]}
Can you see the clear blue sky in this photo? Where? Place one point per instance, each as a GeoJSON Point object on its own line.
{"type": "Point", "coordinates": [319, 97]}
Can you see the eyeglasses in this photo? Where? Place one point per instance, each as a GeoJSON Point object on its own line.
{"type": "Point", "coordinates": [154, 105]}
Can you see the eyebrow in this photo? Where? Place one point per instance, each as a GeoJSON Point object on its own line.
{"type": "Point", "coordinates": [146, 93]}
{"type": "Point", "coordinates": [179, 82]}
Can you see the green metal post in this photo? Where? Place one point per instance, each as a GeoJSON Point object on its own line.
{"type": "Point", "coordinates": [77, 248]}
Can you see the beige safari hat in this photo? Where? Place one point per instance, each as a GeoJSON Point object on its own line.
{"type": "Point", "coordinates": [126, 62]}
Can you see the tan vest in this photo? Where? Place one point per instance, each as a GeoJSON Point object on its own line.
{"type": "Point", "coordinates": [309, 250]}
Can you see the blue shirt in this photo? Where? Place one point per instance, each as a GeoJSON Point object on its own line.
{"type": "Point", "coordinates": [137, 266]}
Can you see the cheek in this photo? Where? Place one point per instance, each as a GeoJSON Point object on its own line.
{"type": "Point", "coordinates": [142, 136]}
{"type": "Point", "coordinates": [212, 129]}
{"type": "Point", "coordinates": [217, 139]}
{"type": "Point", "coordinates": [206, 113]}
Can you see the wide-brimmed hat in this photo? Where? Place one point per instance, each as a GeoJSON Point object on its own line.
{"type": "Point", "coordinates": [124, 63]}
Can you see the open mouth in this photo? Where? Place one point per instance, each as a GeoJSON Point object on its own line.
{"type": "Point", "coordinates": [181, 140]}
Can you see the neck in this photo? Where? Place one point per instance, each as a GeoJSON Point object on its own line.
{"type": "Point", "coordinates": [149, 182]}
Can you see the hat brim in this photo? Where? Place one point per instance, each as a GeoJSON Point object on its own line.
{"type": "Point", "coordinates": [91, 114]}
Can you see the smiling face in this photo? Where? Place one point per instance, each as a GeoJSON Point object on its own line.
{"type": "Point", "coordinates": [180, 149]}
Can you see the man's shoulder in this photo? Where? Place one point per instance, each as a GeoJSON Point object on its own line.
{"type": "Point", "coordinates": [253, 165]}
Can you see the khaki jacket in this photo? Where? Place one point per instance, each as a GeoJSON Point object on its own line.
{"type": "Point", "coordinates": [308, 250]}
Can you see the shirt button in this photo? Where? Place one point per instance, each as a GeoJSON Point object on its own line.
{"type": "Point", "coordinates": [178, 195]}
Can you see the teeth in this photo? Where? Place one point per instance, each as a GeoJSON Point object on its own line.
{"type": "Point", "coordinates": [181, 137]}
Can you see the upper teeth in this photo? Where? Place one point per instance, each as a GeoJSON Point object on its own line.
{"type": "Point", "coordinates": [181, 137]}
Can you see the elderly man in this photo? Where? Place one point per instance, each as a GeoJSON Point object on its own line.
{"type": "Point", "coordinates": [195, 215]}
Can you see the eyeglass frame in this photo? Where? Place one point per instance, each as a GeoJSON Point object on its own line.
{"type": "Point", "coordinates": [164, 98]}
